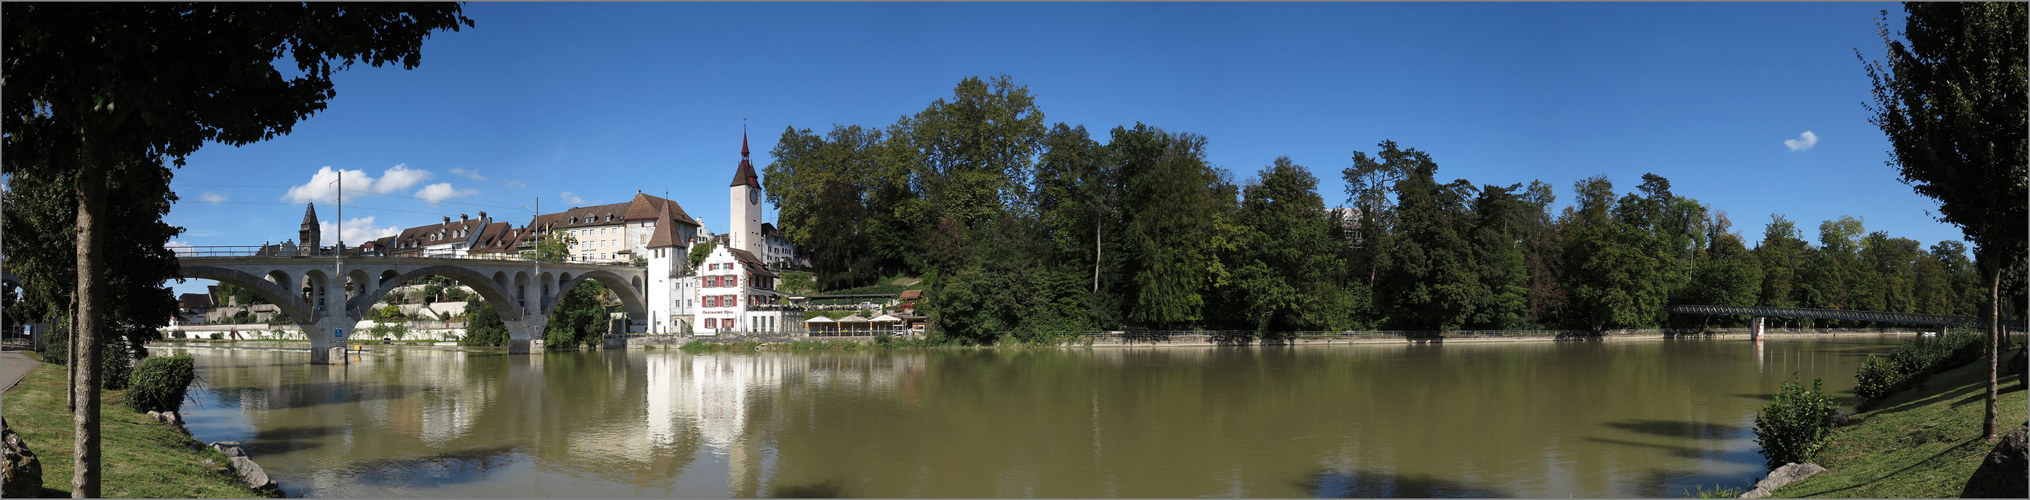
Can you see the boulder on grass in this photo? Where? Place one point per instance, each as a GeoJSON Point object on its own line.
{"type": "Point", "coordinates": [21, 475]}
{"type": "Point", "coordinates": [2005, 472]}
{"type": "Point", "coordinates": [1788, 473]}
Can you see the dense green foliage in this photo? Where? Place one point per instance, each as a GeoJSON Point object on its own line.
{"type": "Point", "coordinates": [160, 382]}
{"type": "Point", "coordinates": [1914, 360]}
{"type": "Point", "coordinates": [115, 359]}
{"type": "Point", "coordinates": [483, 326]}
{"type": "Point", "coordinates": [1794, 427]}
{"type": "Point", "coordinates": [580, 317]}
{"type": "Point", "coordinates": [1024, 232]}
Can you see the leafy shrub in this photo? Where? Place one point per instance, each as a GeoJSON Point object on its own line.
{"type": "Point", "coordinates": [217, 335]}
{"type": "Point", "coordinates": [1878, 378]}
{"type": "Point", "coordinates": [1796, 425]}
{"type": "Point", "coordinates": [114, 362]}
{"type": "Point", "coordinates": [1916, 359]}
{"type": "Point", "coordinates": [160, 382]}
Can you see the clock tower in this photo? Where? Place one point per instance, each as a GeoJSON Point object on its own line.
{"type": "Point", "coordinates": [745, 228]}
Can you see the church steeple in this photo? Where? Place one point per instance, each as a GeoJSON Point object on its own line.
{"type": "Point", "coordinates": [310, 231]}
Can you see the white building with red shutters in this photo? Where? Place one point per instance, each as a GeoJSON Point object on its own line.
{"type": "Point", "coordinates": [732, 291]}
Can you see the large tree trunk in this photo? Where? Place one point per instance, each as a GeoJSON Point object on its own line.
{"type": "Point", "coordinates": [91, 191]}
{"type": "Point", "coordinates": [1989, 424]}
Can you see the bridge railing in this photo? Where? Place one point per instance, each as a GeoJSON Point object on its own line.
{"type": "Point", "coordinates": [358, 253]}
{"type": "Point", "coordinates": [1840, 314]}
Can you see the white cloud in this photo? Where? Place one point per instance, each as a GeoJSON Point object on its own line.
{"type": "Point", "coordinates": [515, 184]}
{"type": "Point", "coordinates": [321, 187]}
{"type": "Point", "coordinates": [181, 248]}
{"type": "Point", "coordinates": [357, 230]}
{"type": "Point", "coordinates": [399, 177]}
{"type": "Point", "coordinates": [213, 197]}
{"type": "Point", "coordinates": [1803, 141]}
{"type": "Point", "coordinates": [573, 199]}
{"type": "Point", "coordinates": [441, 191]}
{"type": "Point", "coordinates": [469, 174]}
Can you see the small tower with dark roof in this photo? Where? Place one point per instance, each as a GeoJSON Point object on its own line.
{"type": "Point", "coordinates": [310, 233]}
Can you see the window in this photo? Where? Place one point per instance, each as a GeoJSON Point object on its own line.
{"type": "Point", "coordinates": [733, 281]}
{"type": "Point", "coordinates": [711, 323]}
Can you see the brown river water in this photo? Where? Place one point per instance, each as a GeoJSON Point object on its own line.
{"type": "Point", "coordinates": [1624, 418]}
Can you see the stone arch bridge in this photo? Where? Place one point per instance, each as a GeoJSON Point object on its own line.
{"type": "Point", "coordinates": [327, 297]}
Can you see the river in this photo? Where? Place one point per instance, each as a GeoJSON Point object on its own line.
{"type": "Point", "coordinates": [1526, 419]}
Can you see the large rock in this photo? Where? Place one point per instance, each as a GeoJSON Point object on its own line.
{"type": "Point", "coordinates": [230, 448]}
{"type": "Point", "coordinates": [251, 472]}
{"type": "Point", "coordinates": [2006, 470]}
{"type": "Point", "coordinates": [1788, 473]}
{"type": "Point", "coordinates": [21, 476]}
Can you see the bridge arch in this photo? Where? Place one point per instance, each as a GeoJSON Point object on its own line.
{"type": "Point", "coordinates": [626, 289]}
{"type": "Point", "coordinates": [497, 296]}
{"type": "Point", "coordinates": [265, 287]}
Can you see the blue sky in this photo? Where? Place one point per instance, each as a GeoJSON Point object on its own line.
{"type": "Point", "coordinates": [582, 104]}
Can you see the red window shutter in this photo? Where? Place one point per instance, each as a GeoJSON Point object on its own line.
{"type": "Point", "coordinates": [733, 281]}
{"type": "Point", "coordinates": [735, 299]}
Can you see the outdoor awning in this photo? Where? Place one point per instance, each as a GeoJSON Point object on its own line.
{"type": "Point", "coordinates": [886, 319]}
{"type": "Point", "coordinates": [820, 319]}
{"type": "Point", "coordinates": [853, 319]}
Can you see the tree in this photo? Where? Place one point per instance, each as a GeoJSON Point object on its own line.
{"type": "Point", "coordinates": [700, 252]}
{"type": "Point", "coordinates": [555, 246]}
{"type": "Point", "coordinates": [1952, 103]}
{"type": "Point", "coordinates": [483, 326]}
{"type": "Point", "coordinates": [1431, 283]}
{"type": "Point", "coordinates": [1287, 250]}
{"type": "Point", "coordinates": [96, 91]}
{"type": "Point", "coordinates": [1781, 253]}
{"type": "Point", "coordinates": [1501, 219]}
{"type": "Point", "coordinates": [580, 316]}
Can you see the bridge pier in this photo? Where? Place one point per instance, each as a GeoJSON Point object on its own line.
{"type": "Point", "coordinates": [1755, 328]}
{"type": "Point", "coordinates": [521, 331]}
{"type": "Point", "coordinates": [323, 342]}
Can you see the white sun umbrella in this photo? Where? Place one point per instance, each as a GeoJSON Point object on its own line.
{"type": "Point", "coordinates": [818, 323]}
{"type": "Point", "coordinates": [844, 322]}
{"type": "Point", "coordinates": [891, 320]}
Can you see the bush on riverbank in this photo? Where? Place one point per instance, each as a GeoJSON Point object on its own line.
{"type": "Point", "coordinates": [1914, 360]}
{"type": "Point", "coordinates": [1796, 425]}
{"type": "Point", "coordinates": [159, 384]}
{"type": "Point", "coordinates": [141, 458]}
{"type": "Point", "coordinates": [1921, 443]}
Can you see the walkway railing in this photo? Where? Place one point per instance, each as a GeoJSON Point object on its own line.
{"type": "Point", "coordinates": [290, 251]}
{"type": "Point", "coordinates": [1839, 314]}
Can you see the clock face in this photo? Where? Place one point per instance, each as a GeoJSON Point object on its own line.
{"type": "Point", "coordinates": [753, 197]}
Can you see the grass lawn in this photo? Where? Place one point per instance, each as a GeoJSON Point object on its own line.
{"type": "Point", "coordinates": [141, 458]}
{"type": "Point", "coordinates": [1920, 443]}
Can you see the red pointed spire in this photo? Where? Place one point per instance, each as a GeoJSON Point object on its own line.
{"type": "Point", "coordinates": [743, 144]}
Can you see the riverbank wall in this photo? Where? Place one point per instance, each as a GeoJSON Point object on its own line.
{"type": "Point", "coordinates": [1249, 338]}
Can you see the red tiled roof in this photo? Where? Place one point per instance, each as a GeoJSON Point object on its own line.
{"type": "Point", "coordinates": [754, 265]}
{"type": "Point", "coordinates": [646, 207]}
{"type": "Point", "coordinates": [665, 232]}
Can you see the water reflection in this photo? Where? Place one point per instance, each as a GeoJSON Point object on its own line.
{"type": "Point", "coordinates": [1547, 419]}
